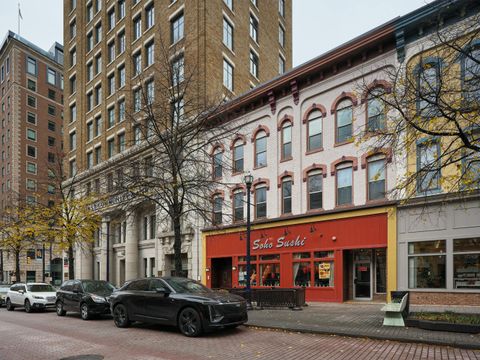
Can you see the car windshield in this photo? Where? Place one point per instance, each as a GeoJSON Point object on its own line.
{"type": "Point", "coordinates": [97, 286]}
{"type": "Point", "coordinates": [181, 285]}
{"type": "Point", "coordinates": [41, 288]}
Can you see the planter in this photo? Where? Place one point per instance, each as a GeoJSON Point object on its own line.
{"type": "Point", "coordinates": [442, 326]}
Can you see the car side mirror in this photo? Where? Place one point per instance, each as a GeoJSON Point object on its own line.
{"type": "Point", "coordinates": [21, 291]}
{"type": "Point", "coordinates": [163, 291]}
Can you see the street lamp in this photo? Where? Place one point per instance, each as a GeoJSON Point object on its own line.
{"type": "Point", "coordinates": [248, 180]}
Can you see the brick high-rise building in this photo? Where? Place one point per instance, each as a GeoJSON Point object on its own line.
{"type": "Point", "coordinates": [31, 98]}
{"type": "Point", "coordinates": [234, 45]}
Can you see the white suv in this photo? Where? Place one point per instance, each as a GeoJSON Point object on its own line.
{"type": "Point", "coordinates": [31, 296]}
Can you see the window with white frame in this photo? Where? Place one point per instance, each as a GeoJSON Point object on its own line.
{"type": "Point", "coordinates": [344, 179]}
{"type": "Point", "coordinates": [227, 34]}
{"type": "Point", "coordinates": [253, 64]}
{"type": "Point", "coordinates": [427, 264]}
{"type": "Point", "coordinates": [315, 189]}
{"type": "Point", "coordinates": [238, 206]}
{"type": "Point", "coordinates": [260, 201]}
{"type": "Point", "coordinates": [227, 75]}
{"type": "Point", "coordinates": [287, 195]}
{"type": "Point", "coordinates": [376, 177]}
{"type": "Point", "coordinates": [176, 28]}
{"type": "Point", "coordinates": [217, 210]}
{"type": "Point", "coordinates": [344, 121]}
{"type": "Point", "coordinates": [314, 130]}
{"type": "Point", "coordinates": [254, 28]}
{"type": "Point", "coordinates": [286, 151]}
{"type": "Point", "coordinates": [261, 149]}
{"type": "Point", "coordinates": [428, 166]}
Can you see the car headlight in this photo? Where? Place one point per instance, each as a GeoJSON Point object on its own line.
{"type": "Point", "coordinates": [215, 314]}
{"type": "Point", "coordinates": [98, 299]}
{"type": "Point", "coordinates": [38, 297]}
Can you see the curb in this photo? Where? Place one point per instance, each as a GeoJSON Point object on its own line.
{"type": "Point", "coordinates": [372, 336]}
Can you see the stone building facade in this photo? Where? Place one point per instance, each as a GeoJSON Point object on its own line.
{"type": "Point", "coordinates": [112, 46]}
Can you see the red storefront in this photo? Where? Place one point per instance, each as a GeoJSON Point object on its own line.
{"type": "Point", "coordinates": [335, 260]}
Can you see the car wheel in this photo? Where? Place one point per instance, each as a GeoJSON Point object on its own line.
{"type": "Point", "coordinates": [189, 322]}
{"type": "Point", "coordinates": [59, 308]}
{"type": "Point", "coordinates": [10, 307]}
{"type": "Point", "coordinates": [84, 313]}
{"type": "Point", "coordinates": [28, 306]}
{"type": "Point", "coordinates": [120, 316]}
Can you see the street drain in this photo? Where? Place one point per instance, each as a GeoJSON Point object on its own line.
{"type": "Point", "coordinates": [84, 357]}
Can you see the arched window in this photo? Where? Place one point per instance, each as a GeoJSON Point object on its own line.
{"type": "Point", "coordinates": [375, 110]}
{"type": "Point", "coordinates": [314, 130]}
{"type": "Point", "coordinates": [287, 195]}
{"type": "Point", "coordinates": [471, 72]}
{"type": "Point", "coordinates": [261, 149]}
{"type": "Point", "coordinates": [238, 205]}
{"type": "Point", "coordinates": [238, 156]}
{"type": "Point", "coordinates": [343, 120]}
{"type": "Point", "coordinates": [286, 152]}
{"type": "Point", "coordinates": [261, 201]}
{"type": "Point", "coordinates": [428, 84]}
{"type": "Point", "coordinates": [344, 182]}
{"type": "Point", "coordinates": [315, 190]}
{"type": "Point", "coordinates": [217, 163]}
{"type": "Point", "coordinates": [217, 209]}
{"type": "Point", "coordinates": [376, 170]}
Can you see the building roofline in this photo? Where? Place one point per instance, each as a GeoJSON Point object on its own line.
{"type": "Point", "coordinates": [14, 36]}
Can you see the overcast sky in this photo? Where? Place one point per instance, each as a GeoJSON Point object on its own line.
{"type": "Point", "coordinates": [318, 25]}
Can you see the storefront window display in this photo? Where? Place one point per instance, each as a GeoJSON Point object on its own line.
{"type": "Point", "coordinates": [316, 271]}
{"type": "Point", "coordinates": [324, 274]}
{"type": "Point", "coordinates": [301, 273]}
{"type": "Point", "coordinates": [242, 271]}
{"type": "Point", "coordinates": [466, 263]}
{"type": "Point", "coordinates": [426, 264]}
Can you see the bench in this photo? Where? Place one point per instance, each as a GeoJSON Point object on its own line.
{"type": "Point", "coordinates": [394, 311]}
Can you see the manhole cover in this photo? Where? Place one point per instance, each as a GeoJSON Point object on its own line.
{"type": "Point", "coordinates": [84, 357]}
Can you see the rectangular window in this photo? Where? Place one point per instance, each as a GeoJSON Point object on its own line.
{"type": "Point", "coordinates": [51, 157]}
{"type": "Point", "coordinates": [315, 190]}
{"type": "Point", "coordinates": [73, 140]}
{"type": "Point", "coordinates": [51, 110]}
{"type": "Point", "coordinates": [150, 92]}
{"type": "Point", "coordinates": [89, 101]}
{"type": "Point", "coordinates": [51, 76]}
{"type": "Point", "coordinates": [73, 84]}
{"type": "Point", "coordinates": [111, 19]}
{"type": "Point", "coordinates": [254, 28]}
{"type": "Point", "coordinates": [428, 166]}
{"type": "Point", "coordinates": [31, 151]}
{"type": "Point", "coordinates": [110, 148]}
{"type": "Point", "coordinates": [178, 70]}
{"type": "Point", "coordinates": [98, 126]}
{"type": "Point", "coordinates": [137, 28]}
{"type": "Point", "coordinates": [111, 84]}
{"type": "Point", "coordinates": [31, 85]}
{"type": "Point", "coordinates": [51, 126]}
{"type": "Point", "coordinates": [238, 206]}
{"type": "Point", "coordinates": [281, 7]}
{"type": "Point", "coordinates": [227, 75]}
{"type": "Point", "coordinates": [314, 131]}
{"type": "Point", "coordinates": [137, 100]}
{"type": "Point", "coordinates": [178, 111]}
{"type": "Point", "coordinates": [110, 117]}
{"type": "Point", "coordinates": [121, 143]}
{"type": "Point", "coordinates": [90, 131]}
{"type": "Point", "coordinates": [177, 28]}
{"type": "Point", "coordinates": [344, 185]}
{"type": "Point", "coordinates": [261, 150]}
{"type": "Point", "coordinates": [344, 117]}
{"type": "Point", "coordinates": [281, 35]}
{"type": "Point", "coordinates": [121, 110]}
{"type": "Point", "coordinates": [98, 160]}
{"type": "Point", "coordinates": [31, 101]}
{"type": "Point", "coordinates": [253, 64]}
{"type": "Point", "coordinates": [31, 185]}
{"type": "Point", "coordinates": [150, 16]}
{"type": "Point", "coordinates": [281, 65]}
{"type": "Point", "coordinates": [89, 12]}
{"type": "Point", "coordinates": [73, 57]}
{"type": "Point", "coordinates": [287, 196]}
{"type": "Point", "coordinates": [31, 168]}
{"type": "Point", "coordinates": [121, 43]}
{"type": "Point", "coordinates": [153, 226]}
{"type": "Point", "coordinates": [260, 202]}
{"type": "Point", "coordinates": [217, 210]}
{"type": "Point", "coordinates": [73, 113]}
{"type": "Point", "coordinates": [229, 4]}
{"type": "Point", "coordinates": [227, 34]}
{"type": "Point", "coordinates": [89, 41]}
{"type": "Point", "coordinates": [89, 160]}
{"type": "Point", "coordinates": [150, 49]}
{"type": "Point", "coordinates": [31, 135]}
{"type": "Point", "coordinates": [111, 51]}
{"type": "Point", "coordinates": [51, 141]}
{"type": "Point", "coordinates": [98, 95]}
{"type": "Point", "coordinates": [427, 265]}
{"type": "Point", "coordinates": [137, 134]}
{"type": "Point", "coordinates": [98, 64]}
{"type": "Point", "coordinates": [32, 66]}
{"type": "Point", "coordinates": [121, 9]}
{"type": "Point", "coordinates": [121, 77]}
{"type": "Point", "coordinates": [90, 71]}
{"type": "Point", "coordinates": [137, 63]}
{"type": "Point", "coordinates": [217, 165]}
{"type": "Point", "coordinates": [98, 33]}
{"type": "Point", "coordinates": [466, 263]}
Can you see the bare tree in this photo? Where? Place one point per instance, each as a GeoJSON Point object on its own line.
{"type": "Point", "coordinates": [429, 113]}
{"type": "Point", "coordinates": [174, 131]}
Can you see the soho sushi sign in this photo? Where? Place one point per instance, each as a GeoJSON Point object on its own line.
{"type": "Point", "coordinates": [280, 243]}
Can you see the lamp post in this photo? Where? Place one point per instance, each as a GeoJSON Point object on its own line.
{"type": "Point", "coordinates": [248, 180]}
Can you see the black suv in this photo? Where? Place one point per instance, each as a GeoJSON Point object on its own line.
{"type": "Point", "coordinates": [89, 297]}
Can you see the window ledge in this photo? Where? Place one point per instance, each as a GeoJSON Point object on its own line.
{"type": "Point", "coordinates": [286, 159]}
{"type": "Point", "coordinates": [309, 152]}
{"type": "Point", "coordinates": [343, 143]}
{"type": "Point", "coordinates": [259, 167]}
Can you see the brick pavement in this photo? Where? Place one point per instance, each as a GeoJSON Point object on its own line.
{"type": "Point", "coordinates": [364, 320]}
{"type": "Point", "coordinates": [41, 336]}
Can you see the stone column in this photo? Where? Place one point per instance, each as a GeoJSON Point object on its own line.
{"type": "Point", "coordinates": [103, 249]}
{"type": "Point", "coordinates": [131, 247]}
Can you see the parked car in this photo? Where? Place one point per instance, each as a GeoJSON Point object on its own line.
{"type": "Point", "coordinates": [31, 296]}
{"type": "Point", "coordinates": [176, 301]}
{"type": "Point", "coordinates": [3, 293]}
{"type": "Point", "coordinates": [89, 297]}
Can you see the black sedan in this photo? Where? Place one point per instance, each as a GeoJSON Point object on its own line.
{"type": "Point", "coordinates": [89, 297]}
{"type": "Point", "coordinates": [180, 302]}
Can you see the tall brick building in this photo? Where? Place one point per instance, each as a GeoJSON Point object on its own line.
{"type": "Point", "coordinates": [31, 115]}
{"type": "Point", "coordinates": [111, 45]}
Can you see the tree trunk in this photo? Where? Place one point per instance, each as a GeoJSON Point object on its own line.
{"type": "Point", "coordinates": [71, 265]}
{"type": "Point", "coordinates": [17, 266]}
{"type": "Point", "coordinates": [177, 246]}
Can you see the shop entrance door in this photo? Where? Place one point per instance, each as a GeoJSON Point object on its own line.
{"type": "Point", "coordinates": [222, 273]}
{"type": "Point", "coordinates": [362, 280]}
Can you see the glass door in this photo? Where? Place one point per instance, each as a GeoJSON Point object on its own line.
{"type": "Point", "coordinates": [362, 280]}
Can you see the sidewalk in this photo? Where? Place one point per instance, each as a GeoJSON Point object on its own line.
{"type": "Point", "coordinates": [356, 320]}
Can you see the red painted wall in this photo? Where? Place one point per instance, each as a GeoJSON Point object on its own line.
{"type": "Point", "coordinates": [338, 235]}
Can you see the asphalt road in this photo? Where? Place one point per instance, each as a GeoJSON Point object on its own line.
{"type": "Point", "coordinates": [40, 336]}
